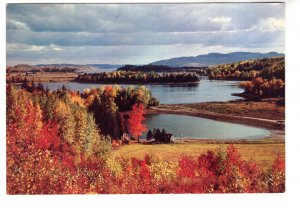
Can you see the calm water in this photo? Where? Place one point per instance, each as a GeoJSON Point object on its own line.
{"type": "Point", "coordinates": [204, 91]}
{"type": "Point", "coordinates": [196, 127]}
{"type": "Point", "coordinates": [97, 70]}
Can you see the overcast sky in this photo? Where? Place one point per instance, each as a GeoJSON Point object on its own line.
{"type": "Point", "coordinates": [139, 33]}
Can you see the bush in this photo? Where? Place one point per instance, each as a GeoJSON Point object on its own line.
{"type": "Point", "coordinates": [153, 102]}
{"type": "Point", "coordinates": [264, 88]}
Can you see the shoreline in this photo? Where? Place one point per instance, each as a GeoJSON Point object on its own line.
{"type": "Point", "coordinates": [257, 122]}
{"type": "Point", "coordinates": [274, 138]}
{"type": "Point", "coordinates": [275, 126]}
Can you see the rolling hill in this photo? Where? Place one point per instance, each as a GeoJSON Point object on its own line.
{"type": "Point", "coordinates": [214, 59]}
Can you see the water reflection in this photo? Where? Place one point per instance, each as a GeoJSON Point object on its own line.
{"type": "Point", "coordinates": [184, 85]}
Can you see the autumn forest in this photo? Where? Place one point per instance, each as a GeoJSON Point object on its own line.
{"type": "Point", "coordinates": [134, 98]}
{"type": "Point", "coordinates": [61, 142]}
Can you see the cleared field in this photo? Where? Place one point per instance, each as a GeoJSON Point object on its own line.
{"type": "Point", "coordinates": [263, 154]}
{"type": "Point", "coordinates": [48, 76]}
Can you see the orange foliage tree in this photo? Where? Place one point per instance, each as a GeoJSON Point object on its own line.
{"type": "Point", "coordinates": [136, 117]}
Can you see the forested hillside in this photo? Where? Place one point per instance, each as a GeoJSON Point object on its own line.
{"type": "Point", "coordinates": [23, 68]}
{"type": "Point", "coordinates": [267, 68]}
{"type": "Point", "coordinates": [266, 76]}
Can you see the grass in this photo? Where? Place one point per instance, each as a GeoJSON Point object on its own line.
{"type": "Point", "coordinates": [266, 108]}
{"type": "Point", "coordinates": [263, 154]}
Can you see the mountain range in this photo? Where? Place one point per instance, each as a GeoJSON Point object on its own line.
{"type": "Point", "coordinates": [214, 59]}
{"type": "Point", "coordinates": [191, 61]}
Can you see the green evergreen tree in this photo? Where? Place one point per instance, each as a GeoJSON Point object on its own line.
{"type": "Point", "coordinates": [149, 135]}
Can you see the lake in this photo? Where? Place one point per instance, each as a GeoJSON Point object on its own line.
{"type": "Point", "coordinates": [204, 91]}
{"type": "Point", "coordinates": [196, 127]}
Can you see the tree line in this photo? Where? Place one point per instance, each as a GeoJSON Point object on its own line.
{"type": "Point", "coordinates": [161, 68]}
{"type": "Point", "coordinates": [138, 77]}
{"type": "Point", "coordinates": [159, 136]}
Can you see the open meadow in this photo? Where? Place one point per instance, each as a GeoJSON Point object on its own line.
{"type": "Point", "coordinates": [262, 152]}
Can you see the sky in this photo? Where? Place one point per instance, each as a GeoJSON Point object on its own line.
{"type": "Point", "coordinates": [139, 33]}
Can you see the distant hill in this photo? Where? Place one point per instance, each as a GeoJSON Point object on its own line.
{"type": "Point", "coordinates": [105, 66]}
{"type": "Point", "coordinates": [214, 59]}
{"type": "Point", "coordinates": [64, 64]}
{"type": "Point", "coordinates": [23, 68]}
{"type": "Point", "coordinates": [79, 68]}
{"type": "Point", "coordinates": [98, 66]}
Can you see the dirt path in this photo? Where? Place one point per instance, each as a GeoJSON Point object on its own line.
{"type": "Point", "coordinates": [258, 119]}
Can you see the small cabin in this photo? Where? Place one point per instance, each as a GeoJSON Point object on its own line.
{"type": "Point", "coordinates": [280, 123]}
{"type": "Point", "coordinates": [152, 140]}
{"type": "Point", "coordinates": [125, 138]}
{"type": "Point", "coordinates": [29, 73]}
{"type": "Point", "coordinates": [170, 138]}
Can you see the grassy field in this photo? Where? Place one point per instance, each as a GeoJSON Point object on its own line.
{"type": "Point", "coordinates": [266, 108]}
{"type": "Point", "coordinates": [263, 153]}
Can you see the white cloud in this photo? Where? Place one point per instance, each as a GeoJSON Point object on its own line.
{"type": "Point", "coordinates": [54, 48]}
{"type": "Point", "coordinates": [221, 20]}
{"type": "Point", "coordinates": [35, 48]}
{"type": "Point", "coordinates": [271, 24]}
{"type": "Point", "coordinates": [17, 47]}
{"type": "Point", "coordinates": [57, 49]}
{"type": "Point", "coordinates": [14, 24]}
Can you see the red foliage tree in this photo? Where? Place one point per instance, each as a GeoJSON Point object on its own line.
{"type": "Point", "coordinates": [136, 117]}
